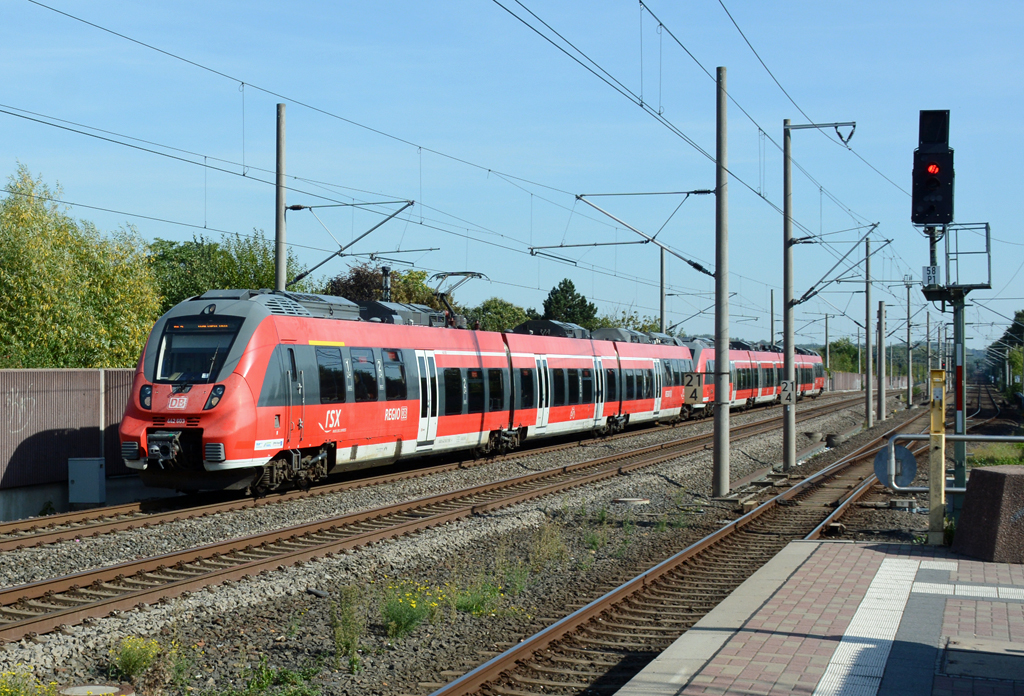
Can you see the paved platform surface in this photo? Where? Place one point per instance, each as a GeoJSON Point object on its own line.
{"type": "Point", "coordinates": [855, 619]}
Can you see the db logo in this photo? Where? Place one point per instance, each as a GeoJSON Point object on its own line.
{"type": "Point", "coordinates": [572, 413]}
{"type": "Point", "coordinates": [177, 402]}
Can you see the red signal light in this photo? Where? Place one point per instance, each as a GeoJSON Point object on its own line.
{"type": "Point", "coordinates": [932, 168]}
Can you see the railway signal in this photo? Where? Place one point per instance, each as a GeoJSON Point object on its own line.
{"type": "Point", "coordinates": [932, 197]}
{"type": "Point", "coordinates": [932, 192]}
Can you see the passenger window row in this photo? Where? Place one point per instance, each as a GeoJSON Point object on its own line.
{"type": "Point", "coordinates": [354, 374]}
{"type": "Point", "coordinates": [466, 387]}
{"type": "Point", "coordinates": [363, 376]}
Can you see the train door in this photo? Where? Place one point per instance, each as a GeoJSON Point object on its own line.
{"type": "Point", "coordinates": [598, 391]}
{"type": "Point", "coordinates": [428, 400]}
{"type": "Point", "coordinates": [543, 397]}
{"type": "Point", "coordinates": [296, 406]}
{"type": "Point", "coordinates": [658, 374]}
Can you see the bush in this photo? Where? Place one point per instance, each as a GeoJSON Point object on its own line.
{"type": "Point", "coordinates": [132, 657]}
{"type": "Point", "coordinates": [481, 598]}
{"type": "Point", "coordinates": [407, 604]}
{"type": "Point", "coordinates": [548, 545]}
{"type": "Point", "coordinates": [22, 682]}
{"type": "Point", "coordinates": [346, 627]}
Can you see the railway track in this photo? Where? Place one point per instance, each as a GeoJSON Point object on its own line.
{"type": "Point", "coordinates": [107, 520]}
{"type": "Point", "coordinates": [599, 647]}
{"type": "Point", "coordinates": [44, 606]}
{"type": "Point", "coordinates": [602, 645]}
{"type": "Point", "coordinates": [872, 488]}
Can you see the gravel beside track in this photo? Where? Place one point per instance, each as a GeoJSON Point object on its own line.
{"type": "Point", "coordinates": [570, 548]}
{"type": "Point", "coordinates": [29, 565]}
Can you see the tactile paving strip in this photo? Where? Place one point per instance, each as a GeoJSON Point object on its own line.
{"type": "Point", "coordinates": [961, 590]}
{"type": "Point", "coordinates": [858, 663]}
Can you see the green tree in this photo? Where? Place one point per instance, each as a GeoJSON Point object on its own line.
{"type": "Point", "coordinates": [496, 314]}
{"type": "Point", "coordinates": [411, 287]}
{"type": "Point", "coordinates": [627, 320]}
{"type": "Point", "coordinates": [364, 282]}
{"type": "Point", "coordinates": [69, 295]}
{"type": "Point", "coordinates": [186, 269]}
{"type": "Point", "coordinates": [1009, 347]}
{"type": "Point", "coordinates": [842, 355]}
{"type": "Point", "coordinates": [563, 303]}
{"type": "Point", "coordinates": [1016, 358]}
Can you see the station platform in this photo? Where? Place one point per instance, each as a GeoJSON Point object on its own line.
{"type": "Point", "coordinates": [855, 619]}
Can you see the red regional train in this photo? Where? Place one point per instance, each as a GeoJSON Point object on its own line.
{"type": "Point", "coordinates": [756, 375]}
{"type": "Point", "coordinates": [255, 390]}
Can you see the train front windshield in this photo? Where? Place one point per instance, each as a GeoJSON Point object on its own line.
{"type": "Point", "coordinates": [193, 350]}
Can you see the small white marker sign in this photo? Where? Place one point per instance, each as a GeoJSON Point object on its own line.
{"type": "Point", "coordinates": [788, 392]}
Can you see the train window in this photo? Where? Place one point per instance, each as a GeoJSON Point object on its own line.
{"type": "Point", "coordinates": [423, 388]}
{"type": "Point", "coordinates": [452, 391]}
{"type": "Point", "coordinates": [433, 387]}
{"type": "Point", "coordinates": [574, 386]}
{"type": "Point", "coordinates": [194, 349]}
{"type": "Point", "coordinates": [649, 384]}
{"type": "Point", "coordinates": [526, 388]}
{"type": "Point", "coordinates": [588, 386]}
{"type": "Point", "coordinates": [394, 376]}
{"type": "Point", "coordinates": [611, 386]}
{"type": "Point", "coordinates": [332, 375]}
{"type": "Point", "coordinates": [558, 384]}
{"type": "Point", "coordinates": [496, 389]}
{"type": "Point", "coordinates": [630, 385]}
{"type": "Point", "coordinates": [364, 374]}
{"type": "Point", "coordinates": [475, 391]}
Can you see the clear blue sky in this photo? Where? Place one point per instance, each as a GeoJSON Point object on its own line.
{"type": "Point", "coordinates": [492, 130]}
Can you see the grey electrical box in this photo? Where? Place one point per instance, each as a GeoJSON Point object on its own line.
{"type": "Point", "coordinates": [87, 480]}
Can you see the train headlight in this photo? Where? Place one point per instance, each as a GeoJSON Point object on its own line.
{"type": "Point", "coordinates": [215, 397]}
{"type": "Point", "coordinates": [146, 396]}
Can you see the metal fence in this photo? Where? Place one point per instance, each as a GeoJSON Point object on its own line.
{"type": "Point", "coordinates": [50, 415]}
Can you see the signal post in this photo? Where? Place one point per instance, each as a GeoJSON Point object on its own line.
{"type": "Point", "coordinates": [932, 207]}
{"type": "Point", "coordinates": [937, 457]}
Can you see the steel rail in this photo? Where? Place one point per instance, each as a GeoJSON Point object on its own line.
{"type": "Point", "coordinates": [865, 487]}
{"type": "Point", "coordinates": [107, 520]}
{"type": "Point", "coordinates": [44, 606]}
{"type": "Point", "coordinates": [488, 672]}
